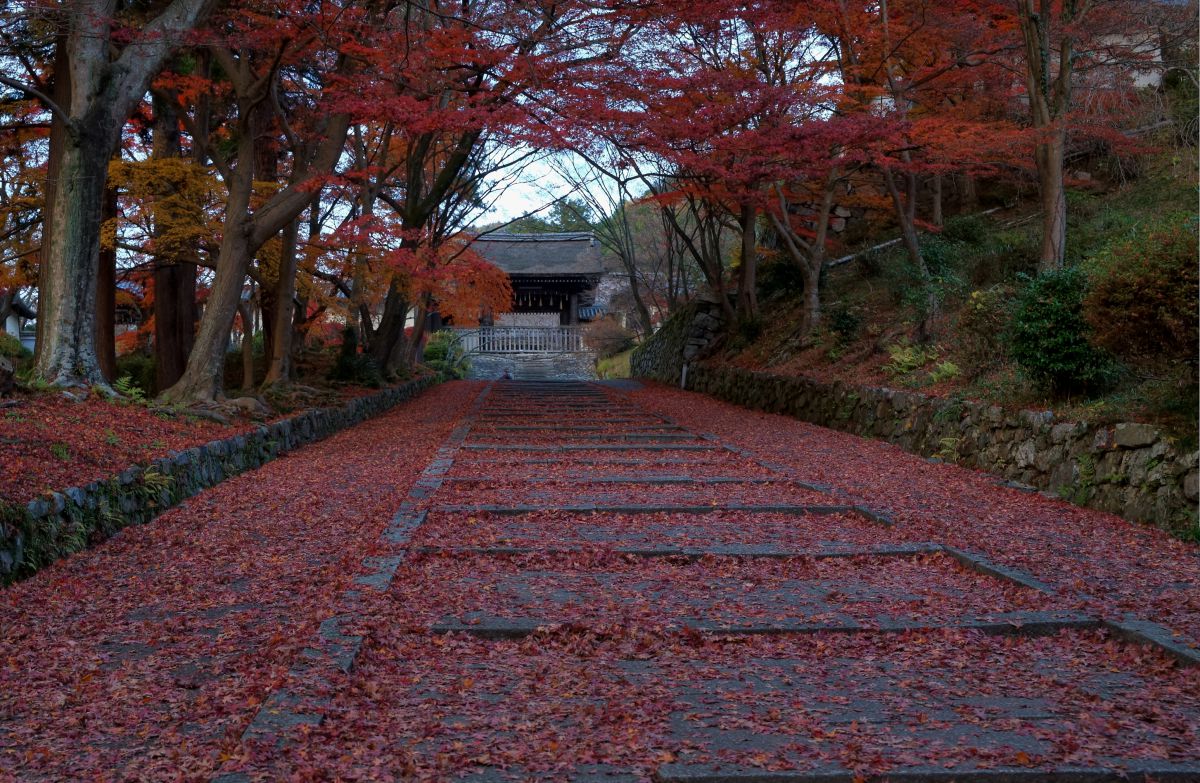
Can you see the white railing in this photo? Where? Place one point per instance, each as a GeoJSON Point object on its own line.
{"type": "Point", "coordinates": [521, 339]}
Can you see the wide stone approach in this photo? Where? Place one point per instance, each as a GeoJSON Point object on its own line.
{"type": "Point", "coordinates": [582, 589]}
{"type": "Point", "coordinates": [607, 582]}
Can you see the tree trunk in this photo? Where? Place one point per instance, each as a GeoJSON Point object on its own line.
{"type": "Point", "coordinates": [174, 278]}
{"type": "Point", "coordinates": [748, 272]}
{"type": "Point", "coordinates": [266, 169]}
{"type": "Point", "coordinates": [244, 234]}
{"type": "Point", "coordinates": [970, 194]}
{"type": "Point", "coordinates": [912, 246]}
{"type": "Point", "coordinates": [246, 311]}
{"type": "Point", "coordinates": [280, 365]}
{"type": "Point", "coordinates": [104, 93]}
{"type": "Point", "coordinates": [390, 332]}
{"type": "Point", "coordinates": [67, 281]}
{"type": "Point", "coordinates": [418, 335]}
{"type": "Point", "coordinates": [201, 380]}
{"type": "Point", "coordinates": [1049, 97]}
{"type": "Point", "coordinates": [57, 142]}
{"type": "Point", "coordinates": [174, 319]}
{"type": "Point", "coordinates": [645, 323]}
{"type": "Point", "coordinates": [1049, 158]}
{"type": "Point", "coordinates": [106, 295]}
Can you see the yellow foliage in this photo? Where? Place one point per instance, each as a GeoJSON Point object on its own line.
{"type": "Point", "coordinates": [174, 203]}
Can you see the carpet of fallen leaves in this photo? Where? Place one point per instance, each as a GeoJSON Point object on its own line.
{"type": "Point", "coordinates": [620, 590]}
{"type": "Point", "coordinates": [146, 657]}
{"type": "Point", "coordinates": [1116, 565]}
{"type": "Point", "coordinates": [557, 493]}
{"type": "Point", "coordinates": [558, 706]}
{"type": "Point", "coordinates": [49, 443]}
{"type": "Point", "coordinates": [791, 532]}
{"type": "Point", "coordinates": [628, 664]}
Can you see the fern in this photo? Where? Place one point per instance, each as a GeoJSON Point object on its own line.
{"type": "Point", "coordinates": [126, 387]}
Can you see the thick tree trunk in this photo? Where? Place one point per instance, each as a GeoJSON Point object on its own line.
{"type": "Point", "coordinates": [279, 365]}
{"type": "Point", "coordinates": [174, 278]}
{"type": "Point", "coordinates": [266, 169]}
{"type": "Point", "coordinates": [391, 327]}
{"type": "Point", "coordinates": [415, 345]}
{"type": "Point", "coordinates": [174, 319]}
{"type": "Point", "coordinates": [58, 141]}
{"type": "Point", "coordinates": [104, 93]}
{"type": "Point", "coordinates": [244, 235]}
{"type": "Point", "coordinates": [970, 194]}
{"type": "Point", "coordinates": [201, 380]}
{"type": "Point", "coordinates": [1049, 158]}
{"type": "Point", "coordinates": [67, 282]}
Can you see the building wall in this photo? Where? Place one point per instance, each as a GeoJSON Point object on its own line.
{"type": "Point", "coordinates": [528, 319]}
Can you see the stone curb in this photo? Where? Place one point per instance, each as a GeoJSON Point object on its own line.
{"type": "Point", "coordinates": [76, 518]}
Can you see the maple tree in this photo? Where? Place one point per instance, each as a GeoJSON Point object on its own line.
{"type": "Point", "coordinates": [349, 144]}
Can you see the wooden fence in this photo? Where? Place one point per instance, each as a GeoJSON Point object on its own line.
{"type": "Point", "coordinates": [521, 339]}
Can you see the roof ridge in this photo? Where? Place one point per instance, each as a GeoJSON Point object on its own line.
{"type": "Point", "coordinates": [557, 236]}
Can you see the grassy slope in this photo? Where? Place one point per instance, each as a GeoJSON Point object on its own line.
{"type": "Point", "coordinates": [869, 308]}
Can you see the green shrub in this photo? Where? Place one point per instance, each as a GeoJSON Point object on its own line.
{"type": "Point", "coordinates": [844, 323]}
{"type": "Point", "coordinates": [907, 358]}
{"type": "Point", "coordinates": [744, 332]}
{"type": "Point", "coordinates": [10, 346]}
{"type": "Point", "coordinates": [945, 260]}
{"type": "Point", "coordinates": [1050, 338]}
{"type": "Point", "coordinates": [444, 355]}
{"type": "Point", "coordinates": [966, 229]}
{"type": "Point", "coordinates": [1142, 298]}
{"type": "Point", "coordinates": [779, 275]}
{"type": "Point", "coordinates": [944, 371]}
{"type": "Point", "coordinates": [983, 324]}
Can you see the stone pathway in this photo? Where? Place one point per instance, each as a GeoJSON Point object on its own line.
{"type": "Point", "coordinates": [578, 366]}
{"type": "Point", "coordinates": [578, 588]}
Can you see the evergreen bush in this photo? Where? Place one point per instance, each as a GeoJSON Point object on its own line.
{"type": "Point", "coordinates": [1049, 338]}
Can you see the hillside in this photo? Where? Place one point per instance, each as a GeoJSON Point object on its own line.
{"type": "Point", "coordinates": [1137, 238]}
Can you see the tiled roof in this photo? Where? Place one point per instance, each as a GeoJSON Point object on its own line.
{"type": "Point", "coordinates": [542, 254]}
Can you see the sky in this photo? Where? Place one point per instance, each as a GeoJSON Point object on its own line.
{"type": "Point", "coordinates": [537, 187]}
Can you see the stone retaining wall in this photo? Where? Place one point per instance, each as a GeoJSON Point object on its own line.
{"type": "Point", "coordinates": [61, 523]}
{"type": "Point", "coordinates": [1133, 470]}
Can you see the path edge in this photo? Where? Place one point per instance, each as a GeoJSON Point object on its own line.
{"type": "Point", "coordinates": [71, 520]}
